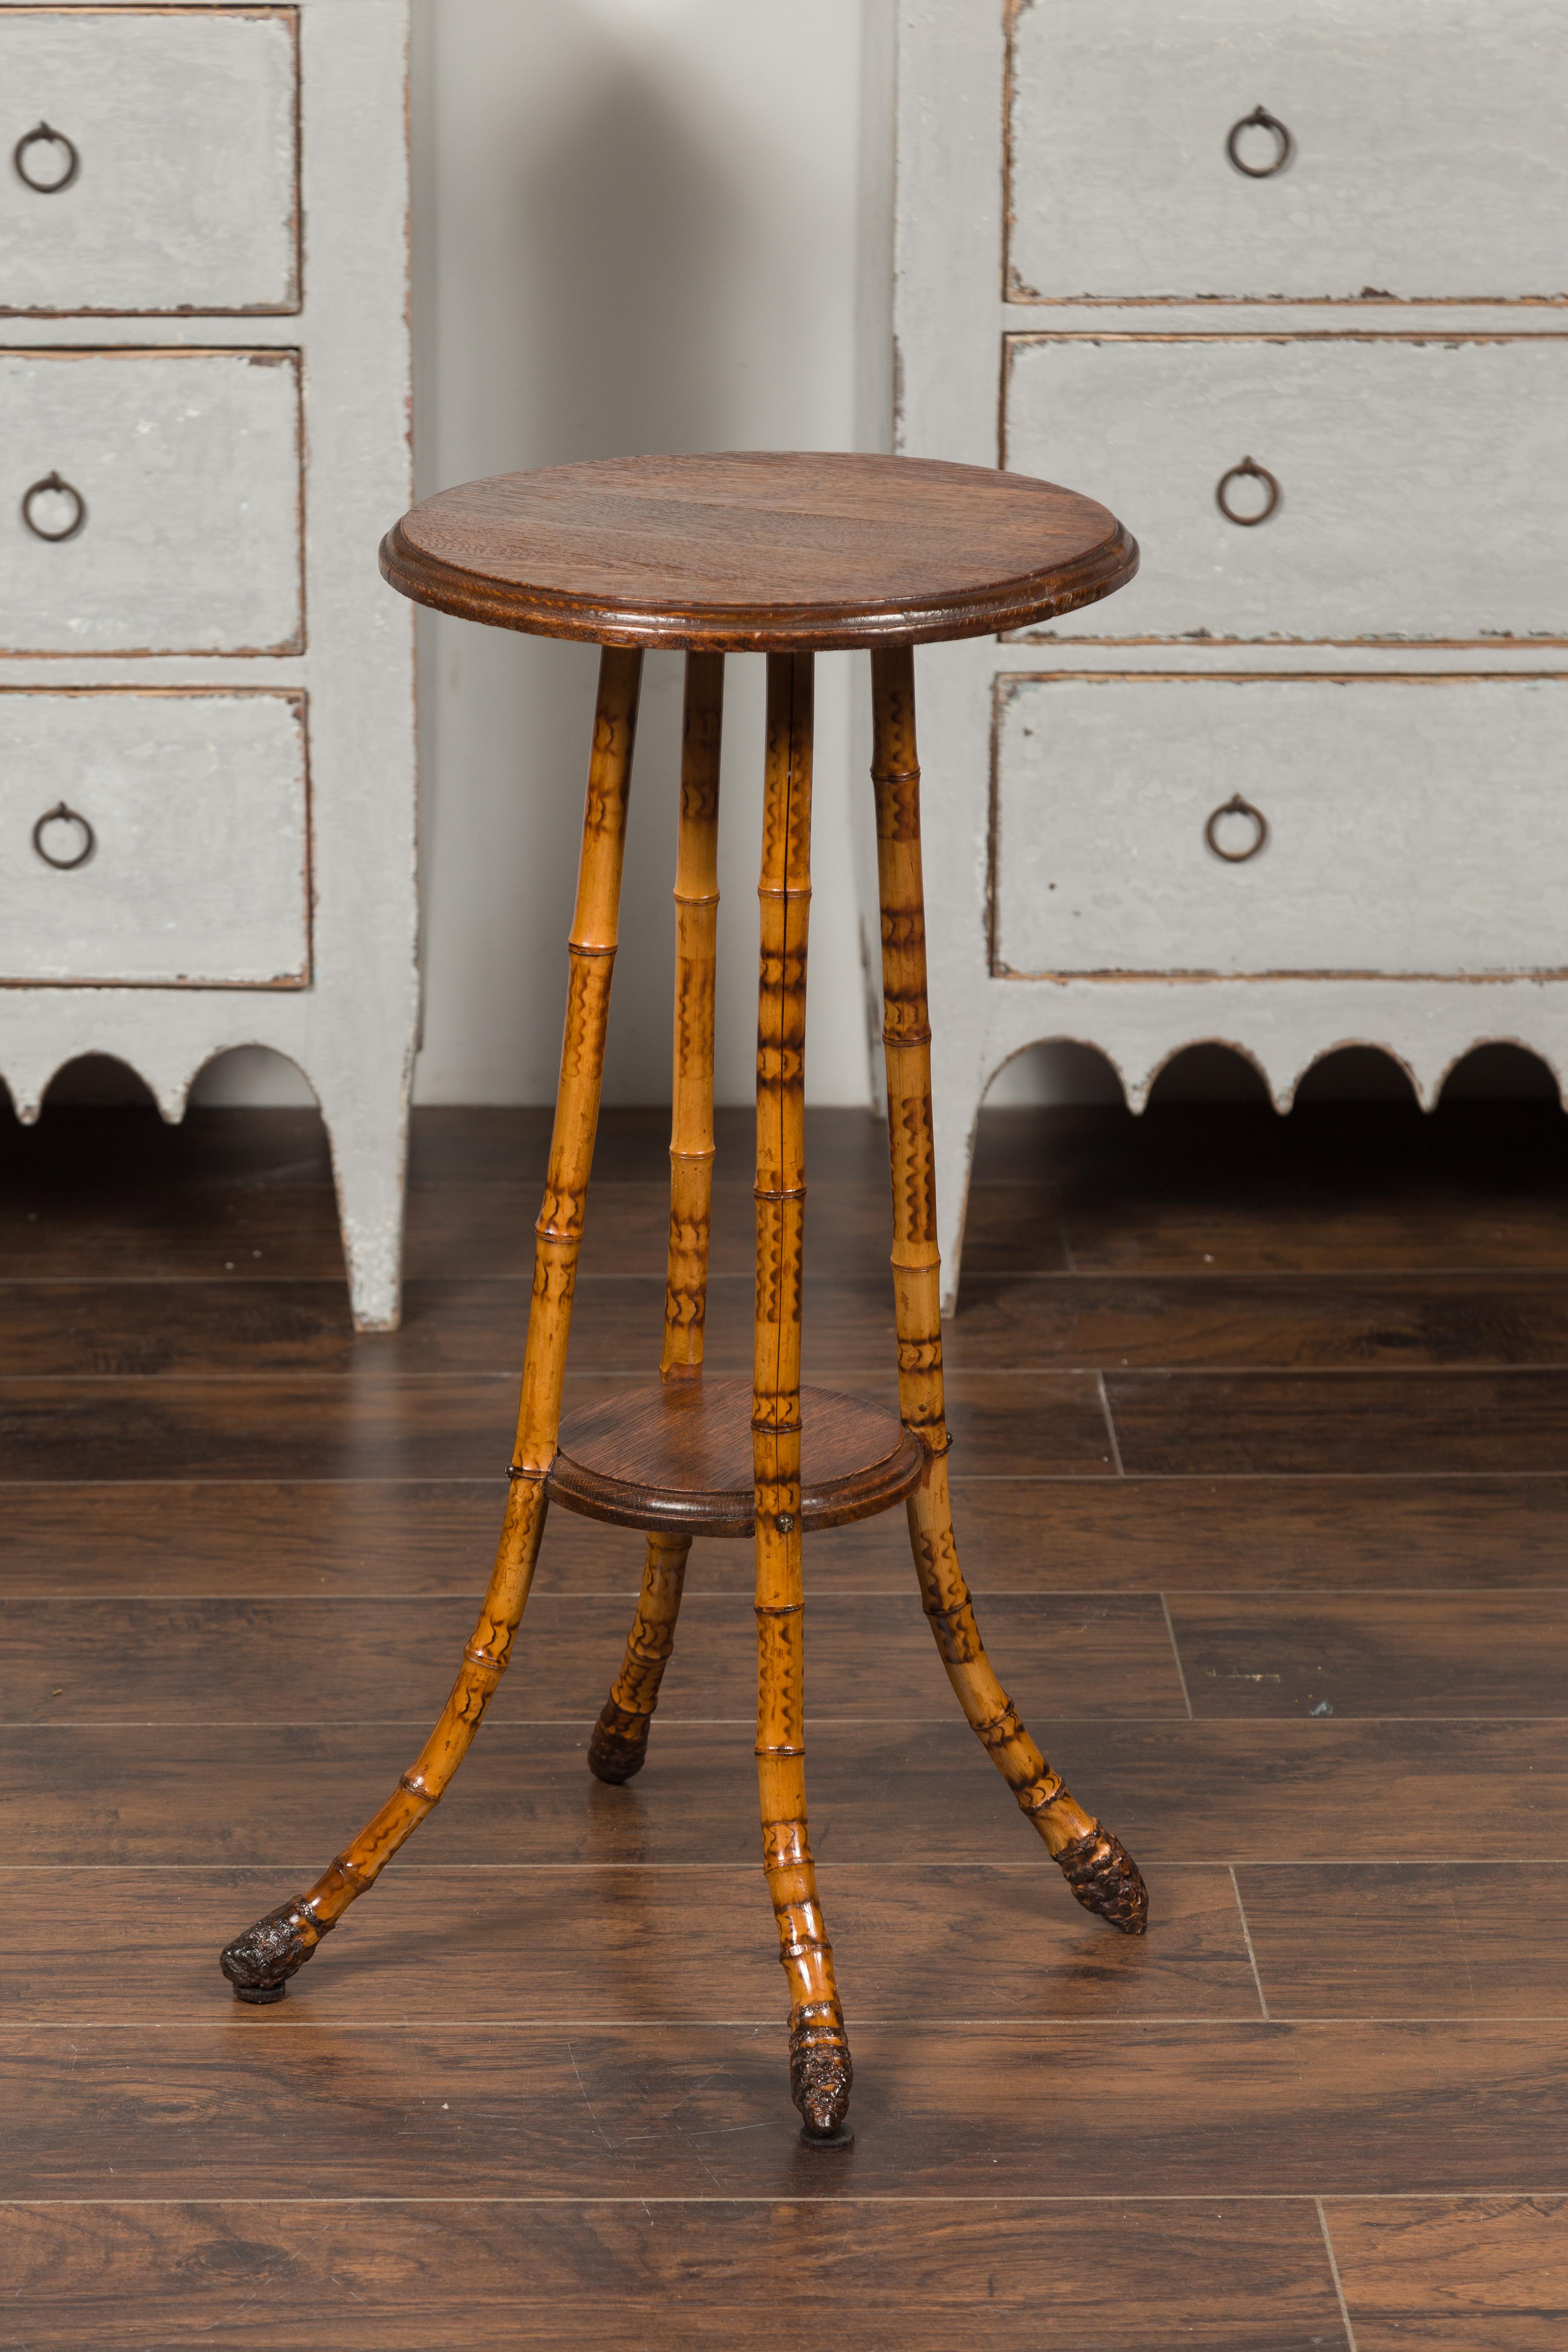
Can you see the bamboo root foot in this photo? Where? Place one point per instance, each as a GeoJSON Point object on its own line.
{"type": "Point", "coordinates": [259, 1963]}
{"type": "Point", "coordinates": [1106, 1880]}
{"type": "Point", "coordinates": [820, 2073]}
{"type": "Point", "coordinates": [618, 1748]}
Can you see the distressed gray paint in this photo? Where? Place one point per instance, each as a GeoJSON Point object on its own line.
{"type": "Point", "coordinates": [198, 806]}
{"type": "Point", "coordinates": [1413, 827]}
{"type": "Point", "coordinates": [1429, 161]}
{"type": "Point", "coordinates": [352, 1030]}
{"type": "Point", "coordinates": [185, 122]}
{"type": "Point", "coordinates": [1457, 447]}
{"type": "Point", "coordinates": [1445, 113]}
{"type": "Point", "coordinates": [189, 465]}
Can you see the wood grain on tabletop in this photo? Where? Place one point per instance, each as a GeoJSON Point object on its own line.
{"type": "Point", "coordinates": [757, 551]}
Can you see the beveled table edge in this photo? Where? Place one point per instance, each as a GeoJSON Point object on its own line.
{"type": "Point", "coordinates": [1014, 603]}
{"type": "Point", "coordinates": [719, 1511]}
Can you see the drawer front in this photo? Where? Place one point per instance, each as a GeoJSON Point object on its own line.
{"type": "Point", "coordinates": [1426, 159]}
{"type": "Point", "coordinates": [1413, 827]}
{"type": "Point", "coordinates": [196, 865]}
{"type": "Point", "coordinates": [182, 502]}
{"type": "Point", "coordinates": [183, 194]}
{"type": "Point", "coordinates": [1422, 486]}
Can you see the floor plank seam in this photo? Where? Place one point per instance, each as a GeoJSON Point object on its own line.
{"type": "Point", "coordinates": [1248, 1723]}
{"type": "Point", "coordinates": [1334, 2269]}
{"type": "Point", "coordinates": [767, 2022]}
{"type": "Point", "coordinates": [1247, 1938]}
{"type": "Point", "coordinates": [836, 2197]}
{"type": "Point", "coordinates": [1077, 1481]}
{"type": "Point", "coordinates": [1176, 1654]}
{"type": "Point", "coordinates": [1110, 1424]}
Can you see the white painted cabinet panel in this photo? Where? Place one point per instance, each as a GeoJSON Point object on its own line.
{"type": "Point", "coordinates": [184, 194]}
{"type": "Point", "coordinates": [187, 467]}
{"type": "Point", "coordinates": [1412, 893]}
{"type": "Point", "coordinates": [156, 666]}
{"type": "Point", "coordinates": [1429, 160]}
{"type": "Point", "coordinates": [198, 865]}
{"type": "Point", "coordinates": [1381, 446]}
{"type": "Point", "coordinates": [1414, 826]}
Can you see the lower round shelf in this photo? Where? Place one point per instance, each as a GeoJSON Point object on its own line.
{"type": "Point", "coordinates": [678, 1460]}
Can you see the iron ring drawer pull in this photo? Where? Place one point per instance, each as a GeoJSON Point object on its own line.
{"type": "Point", "coordinates": [61, 815]}
{"type": "Point", "coordinates": [1260, 119]}
{"type": "Point", "coordinates": [53, 485]}
{"type": "Point", "coordinates": [44, 136]}
{"type": "Point", "coordinates": [1237, 806]}
{"type": "Point", "coordinates": [1239, 474]}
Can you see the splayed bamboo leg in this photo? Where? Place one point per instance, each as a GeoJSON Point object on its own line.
{"type": "Point", "coordinates": [1097, 1868]}
{"type": "Point", "coordinates": [619, 1743]}
{"type": "Point", "coordinates": [258, 1963]}
{"type": "Point", "coordinates": [618, 1746]}
{"type": "Point", "coordinates": [820, 2073]}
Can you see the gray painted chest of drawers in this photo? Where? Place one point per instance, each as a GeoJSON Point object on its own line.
{"type": "Point", "coordinates": [204, 431]}
{"type": "Point", "coordinates": [1307, 257]}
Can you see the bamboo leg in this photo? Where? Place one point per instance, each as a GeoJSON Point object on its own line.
{"type": "Point", "coordinates": [258, 1963]}
{"type": "Point", "coordinates": [820, 2073]}
{"type": "Point", "coordinates": [1097, 1868]}
{"type": "Point", "coordinates": [696, 961]}
{"type": "Point", "coordinates": [619, 1743]}
{"type": "Point", "coordinates": [618, 1746]}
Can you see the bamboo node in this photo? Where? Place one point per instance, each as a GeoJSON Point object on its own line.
{"type": "Point", "coordinates": [582, 948]}
{"type": "Point", "coordinates": [417, 1786]}
{"type": "Point", "coordinates": [526, 1470]}
{"type": "Point", "coordinates": [785, 1752]}
{"type": "Point", "coordinates": [1001, 1730]}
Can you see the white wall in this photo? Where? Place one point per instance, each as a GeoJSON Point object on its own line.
{"type": "Point", "coordinates": [638, 225]}
{"type": "Point", "coordinates": [635, 229]}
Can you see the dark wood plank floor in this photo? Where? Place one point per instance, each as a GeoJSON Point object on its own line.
{"type": "Point", "coordinates": [1262, 1481]}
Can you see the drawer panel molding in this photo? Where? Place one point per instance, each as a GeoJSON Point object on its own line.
{"type": "Point", "coordinates": [1403, 828]}
{"type": "Point", "coordinates": [1424, 160]}
{"type": "Point", "coordinates": [1421, 482]}
{"type": "Point", "coordinates": [150, 503]}
{"type": "Point", "coordinates": [184, 192]}
{"type": "Point", "coordinates": [158, 838]}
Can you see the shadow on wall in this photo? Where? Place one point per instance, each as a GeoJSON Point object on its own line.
{"type": "Point", "coordinates": [634, 231]}
{"type": "Point", "coordinates": [636, 235]}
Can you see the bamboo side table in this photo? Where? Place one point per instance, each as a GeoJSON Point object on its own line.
{"type": "Point", "coordinates": [786, 555]}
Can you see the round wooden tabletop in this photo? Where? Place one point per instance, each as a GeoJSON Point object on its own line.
{"type": "Point", "coordinates": [758, 551]}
